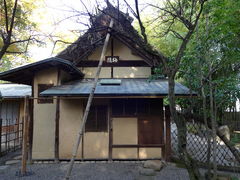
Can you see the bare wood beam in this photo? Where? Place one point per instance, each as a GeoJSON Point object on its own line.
{"type": "Point", "coordinates": [90, 98]}
{"type": "Point", "coordinates": [25, 137]}
{"type": "Point", "coordinates": [57, 117]}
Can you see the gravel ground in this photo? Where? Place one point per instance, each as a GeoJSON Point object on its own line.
{"type": "Point", "coordinates": [9, 156]}
{"type": "Point", "coordinates": [92, 171]}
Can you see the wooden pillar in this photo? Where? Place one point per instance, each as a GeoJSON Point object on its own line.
{"type": "Point", "coordinates": [25, 136]}
{"type": "Point", "coordinates": [167, 133]}
{"type": "Point", "coordinates": [57, 117]}
{"type": "Point", "coordinates": [110, 131]}
{"type": "Point", "coordinates": [56, 152]}
{"type": "Point", "coordinates": [30, 130]}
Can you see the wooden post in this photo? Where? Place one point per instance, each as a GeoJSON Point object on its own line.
{"type": "Point", "coordinates": [57, 131]}
{"type": "Point", "coordinates": [30, 129]}
{"type": "Point", "coordinates": [30, 112]}
{"type": "Point", "coordinates": [25, 136]}
{"type": "Point", "coordinates": [89, 102]}
{"type": "Point", "coordinates": [110, 132]}
{"type": "Point", "coordinates": [56, 148]}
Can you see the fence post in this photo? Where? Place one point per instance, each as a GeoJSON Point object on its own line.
{"type": "Point", "coordinates": [25, 136]}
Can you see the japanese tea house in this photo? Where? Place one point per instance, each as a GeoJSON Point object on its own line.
{"type": "Point", "coordinates": [126, 119]}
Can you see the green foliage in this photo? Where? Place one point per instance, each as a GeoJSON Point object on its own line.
{"type": "Point", "coordinates": [235, 138]}
{"type": "Point", "coordinates": [216, 43]}
{"type": "Point", "coordinates": [24, 28]}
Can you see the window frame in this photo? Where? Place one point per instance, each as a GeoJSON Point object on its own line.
{"type": "Point", "coordinates": [45, 99]}
{"type": "Point", "coordinates": [151, 106]}
{"type": "Point", "coordinates": [98, 126]}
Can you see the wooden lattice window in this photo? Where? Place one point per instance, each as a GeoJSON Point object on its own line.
{"type": "Point", "coordinates": [136, 107]}
{"type": "Point", "coordinates": [97, 119]}
{"type": "Point", "coordinates": [44, 100]}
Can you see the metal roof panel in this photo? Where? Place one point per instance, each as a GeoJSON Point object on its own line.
{"type": "Point", "coordinates": [15, 90]}
{"type": "Point", "coordinates": [134, 87]}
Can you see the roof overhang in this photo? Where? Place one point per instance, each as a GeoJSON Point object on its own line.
{"type": "Point", "coordinates": [15, 91]}
{"type": "Point", "coordinates": [128, 87]}
{"type": "Point", "coordinates": [24, 74]}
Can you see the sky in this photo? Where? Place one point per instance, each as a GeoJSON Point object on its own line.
{"type": "Point", "coordinates": [56, 17]}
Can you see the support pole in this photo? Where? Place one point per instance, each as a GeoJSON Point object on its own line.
{"type": "Point", "coordinates": [25, 136]}
{"type": "Point", "coordinates": [90, 98]}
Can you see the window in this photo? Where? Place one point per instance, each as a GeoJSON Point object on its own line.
{"type": "Point", "coordinates": [143, 106]}
{"type": "Point", "coordinates": [155, 107]}
{"type": "Point", "coordinates": [44, 100]}
{"type": "Point", "coordinates": [130, 107]}
{"type": "Point", "coordinates": [136, 107]}
{"type": "Point", "coordinates": [118, 107]}
{"type": "Point", "coordinates": [97, 119]}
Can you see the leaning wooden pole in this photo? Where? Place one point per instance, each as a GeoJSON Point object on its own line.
{"type": "Point", "coordinates": [25, 136]}
{"type": "Point", "coordinates": [89, 102]}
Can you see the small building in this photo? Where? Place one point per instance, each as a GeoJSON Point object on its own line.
{"type": "Point", "coordinates": [126, 119]}
{"type": "Point", "coordinates": [12, 102]}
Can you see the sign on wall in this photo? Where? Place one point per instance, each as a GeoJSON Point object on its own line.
{"type": "Point", "coordinates": [112, 59]}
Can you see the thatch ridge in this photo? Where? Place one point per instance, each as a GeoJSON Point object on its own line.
{"type": "Point", "coordinates": [122, 30]}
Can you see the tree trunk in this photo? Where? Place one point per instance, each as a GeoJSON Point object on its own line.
{"type": "Point", "coordinates": [3, 51]}
{"type": "Point", "coordinates": [192, 169]}
{"type": "Point", "coordinates": [213, 124]}
{"type": "Point", "coordinates": [208, 131]}
{"type": "Point", "coordinates": [230, 145]}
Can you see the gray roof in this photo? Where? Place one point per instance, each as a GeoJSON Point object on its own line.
{"type": "Point", "coordinates": [24, 74]}
{"type": "Point", "coordinates": [15, 90]}
{"type": "Point", "coordinates": [129, 87]}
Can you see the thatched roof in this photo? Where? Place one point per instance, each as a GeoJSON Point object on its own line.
{"type": "Point", "coordinates": [122, 31]}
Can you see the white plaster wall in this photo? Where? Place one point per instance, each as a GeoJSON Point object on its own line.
{"type": "Point", "coordinates": [148, 153]}
{"type": "Point", "coordinates": [120, 50]}
{"type": "Point", "coordinates": [71, 112]}
{"type": "Point", "coordinates": [44, 118]}
{"type": "Point", "coordinates": [125, 131]}
{"type": "Point", "coordinates": [96, 145]}
{"type": "Point", "coordinates": [90, 72]}
{"type": "Point", "coordinates": [131, 72]}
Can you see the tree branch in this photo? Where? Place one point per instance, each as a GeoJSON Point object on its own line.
{"type": "Point", "coordinates": [6, 15]}
{"type": "Point", "coordinates": [12, 20]}
{"type": "Point", "coordinates": [143, 32]}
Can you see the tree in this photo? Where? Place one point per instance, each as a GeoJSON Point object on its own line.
{"type": "Point", "coordinates": [185, 14]}
{"type": "Point", "coordinates": [16, 30]}
{"type": "Point", "coordinates": [214, 55]}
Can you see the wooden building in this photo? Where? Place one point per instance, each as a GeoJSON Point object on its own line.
{"type": "Point", "coordinates": [126, 119]}
{"type": "Point", "coordinates": [12, 103]}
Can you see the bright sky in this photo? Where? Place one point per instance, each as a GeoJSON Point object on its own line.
{"type": "Point", "coordinates": [55, 18]}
